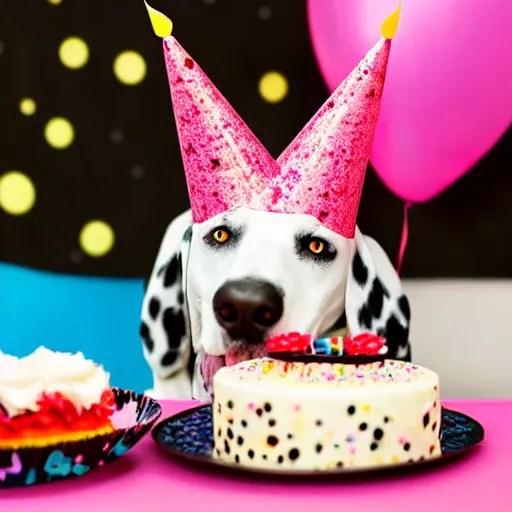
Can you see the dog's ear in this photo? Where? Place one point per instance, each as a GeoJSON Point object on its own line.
{"type": "Point", "coordinates": [374, 300]}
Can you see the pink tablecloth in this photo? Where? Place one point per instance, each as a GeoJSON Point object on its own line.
{"type": "Point", "coordinates": [148, 480]}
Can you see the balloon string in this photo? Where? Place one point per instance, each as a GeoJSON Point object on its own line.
{"type": "Point", "coordinates": [405, 237]}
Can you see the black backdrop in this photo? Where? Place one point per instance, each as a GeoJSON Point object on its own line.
{"type": "Point", "coordinates": [124, 166]}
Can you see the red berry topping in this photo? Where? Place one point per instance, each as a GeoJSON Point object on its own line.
{"type": "Point", "coordinates": [365, 344]}
{"type": "Point", "coordinates": [291, 342]}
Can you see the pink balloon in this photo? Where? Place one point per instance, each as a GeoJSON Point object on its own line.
{"type": "Point", "coordinates": [448, 93]}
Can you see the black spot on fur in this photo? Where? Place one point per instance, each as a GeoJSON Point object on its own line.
{"type": "Point", "coordinates": [154, 307]}
{"type": "Point", "coordinates": [181, 297]}
{"type": "Point", "coordinates": [359, 270]}
{"type": "Point", "coordinates": [169, 358]}
{"type": "Point", "coordinates": [376, 298]}
{"type": "Point", "coordinates": [174, 326]}
{"type": "Point", "coordinates": [172, 271]}
{"type": "Point", "coordinates": [403, 303]}
{"type": "Point", "coordinates": [396, 336]}
{"type": "Point", "coordinates": [365, 317]}
{"type": "Point", "coordinates": [146, 337]}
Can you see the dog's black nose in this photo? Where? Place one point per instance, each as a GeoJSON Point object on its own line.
{"type": "Point", "coordinates": [247, 308]}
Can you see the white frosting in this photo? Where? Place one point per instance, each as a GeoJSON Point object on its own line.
{"type": "Point", "coordinates": [24, 380]}
{"type": "Point", "coordinates": [272, 414]}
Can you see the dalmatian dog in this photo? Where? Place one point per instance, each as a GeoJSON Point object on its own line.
{"type": "Point", "coordinates": [220, 288]}
{"type": "Point", "coordinates": [271, 245]}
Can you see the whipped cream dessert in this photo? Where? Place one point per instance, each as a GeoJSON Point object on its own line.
{"type": "Point", "coordinates": [24, 380]}
{"type": "Point", "coordinates": [51, 396]}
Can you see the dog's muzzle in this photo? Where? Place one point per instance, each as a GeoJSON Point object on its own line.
{"type": "Point", "coordinates": [248, 308]}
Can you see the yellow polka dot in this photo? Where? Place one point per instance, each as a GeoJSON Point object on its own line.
{"type": "Point", "coordinates": [17, 193]}
{"type": "Point", "coordinates": [130, 67]}
{"type": "Point", "coordinates": [97, 238]}
{"type": "Point", "coordinates": [59, 133]}
{"type": "Point", "coordinates": [74, 52]}
{"type": "Point", "coordinates": [273, 87]}
{"type": "Point", "coordinates": [28, 106]}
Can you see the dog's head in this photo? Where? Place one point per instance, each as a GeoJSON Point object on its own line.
{"type": "Point", "coordinates": [255, 274]}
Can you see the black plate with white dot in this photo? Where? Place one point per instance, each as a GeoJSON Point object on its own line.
{"type": "Point", "coordinates": [189, 435]}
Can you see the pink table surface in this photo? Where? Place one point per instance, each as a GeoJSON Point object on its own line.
{"type": "Point", "coordinates": [147, 479]}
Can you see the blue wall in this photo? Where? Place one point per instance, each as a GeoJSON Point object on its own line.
{"type": "Point", "coordinates": [98, 316]}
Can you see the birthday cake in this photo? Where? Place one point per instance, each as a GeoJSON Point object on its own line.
{"type": "Point", "coordinates": [275, 414]}
{"type": "Point", "coordinates": [52, 397]}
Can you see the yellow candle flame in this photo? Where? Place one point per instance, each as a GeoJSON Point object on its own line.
{"type": "Point", "coordinates": [161, 24]}
{"type": "Point", "coordinates": [390, 24]}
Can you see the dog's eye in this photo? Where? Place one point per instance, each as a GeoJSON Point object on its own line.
{"type": "Point", "coordinates": [223, 237]}
{"type": "Point", "coordinates": [316, 246]}
{"type": "Point", "coordinates": [220, 236]}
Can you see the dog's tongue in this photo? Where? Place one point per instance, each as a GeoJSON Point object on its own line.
{"type": "Point", "coordinates": [210, 365]}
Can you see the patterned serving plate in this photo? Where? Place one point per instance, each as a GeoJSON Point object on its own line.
{"type": "Point", "coordinates": [134, 416]}
{"type": "Point", "coordinates": [189, 434]}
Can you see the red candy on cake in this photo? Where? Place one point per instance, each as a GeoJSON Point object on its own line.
{"type": "Point", "coordinates": [293, 342]}
{"type": "Point", "coordinates": [365, 344]}
{"type": "Point", "coordinates": [344, 349]}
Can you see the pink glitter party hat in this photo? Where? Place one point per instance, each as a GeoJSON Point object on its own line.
{"type": "Point", "coordinates": [321, 173]}
{"type": "Point", "coordinates": [323, 169]}
{"type": "Point", "coordinates": [224, 162]}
